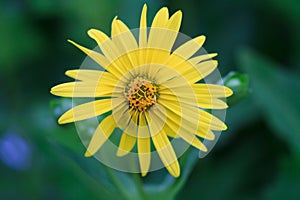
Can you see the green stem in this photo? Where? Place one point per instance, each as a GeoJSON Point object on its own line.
{"type": "Point", "coordinates": [116, 182]}
{"type": "Point", "coordinates": [139, 185]}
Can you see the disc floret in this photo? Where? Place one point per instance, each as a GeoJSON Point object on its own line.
{"type": "Point", "coordinates": [141, 94]}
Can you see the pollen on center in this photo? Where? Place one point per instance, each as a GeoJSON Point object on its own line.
{"type": "Point", "coordinates": [141, 94]}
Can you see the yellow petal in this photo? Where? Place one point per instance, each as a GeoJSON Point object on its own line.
{"type": "Point", "coordinates": [212, 104]}
{"type": "Point", "coordinates": [192, 114]}
{"type": "Point", "coordinates": [170, 132]}
{"type": "Point", "coordinates": [166, 153]}
{"type": "Point", "coordinates": [143, 28]}
{"type": "Point", "coordinates": [121, 112]}
{"type": "Point", "coordinates": [191, 73]}
{"type": "Point", "coordinates": [124, 40]}
{"type": "Point", "coordinates": [202, 100]}
{"type": "Point", "coordinates": [86, 75]}
{"type": "Point", "coordinates": [143, 145]}
{"type": "Point", "coordinates": [157, 31]}
{"type": "Point", "coordinates": [190, 121]}
{"type": "Point", "coordinates": [102, 133]}
{"type": "Point", "coordinates": [185, 134]}
{"type": "Point", "coordinates": [127, 143]}
{"type": "Point", "coordinates": [211, 90]}
{"type": "Point", "coordinates": [187, 68]}
{"type": "Point", "coordinates": [115, 29]}
{"type": "Point", "coordinates": [94, 84]}
{"type": "Point", "coordinates": [143, 52]}
{"type": "Point", "coordinates": [171, 128]}
{"type": "Point", "coordinates": [163, 34]}
{"type": "Point", "coordinates": [82, 89]}
{"type": "Point", "coordinates": [103, 61]}
{"type": "Point", "coordinates": [189, 48]}
{"type": "Point", "coordinates": [175, 21]}
{"type": "Point", "coordinates": [179, 59]}
{"type": "Point", "coordinates": [195, 142]}
{"type": "Point", "coordinates": [164, 149]}
{"type": "Point", "coordinates": [122, 36]}
{"type": "Point", "coordinates": [97, 57]}
{"type": "Point", "coordinates": [213, 122]}
{"type": "Point", "coordinates": [86, 111]}
{"type": "Point", "coordinates": [201, 90]}
{"type": "Point", "coordinates": [99, 37]}
{"type": "Point", "coordinates": [161, 18]}
{"type": "Point", "coordinates": [207, 103]}
{"type": "Point", "coordinates": [205, 133]}
{"type": "Point", "coordinates": [91, 75]}
{"type": "Point", "coordinates": [132, 125]}
{"type": "Point", "coordinates": [170, 33]}
{"type": "Point", "coordinates": [197, 59]}
{"type": "Point", "coordinates": [184, 131]}
{"type": "Point", "coordinates": [200, 71]}
{"type": "Point", "coordinates": [206, 122]}
{"type": "Point", "coordinates": [187, 120]}
{"type": "Point", "coordinates": [112, 53]}
{"type": "Point", "coordinates": [155, 57]}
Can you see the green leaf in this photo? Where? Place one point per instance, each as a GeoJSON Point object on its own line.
{"type": "Point", "coordinates": [287, 183]}
{"type": "Point", "coordinates": [115, 184]}
{"type": "Point", "coordinates": [276, 92]}
{"type": "Point", "coordinates": [289, 7]}
{"type": "Point", "coordinates": [63, 135]}
{"type": "Point", "coordinates": [59, 106]}
{"type": "Point", "coordinates": [13, 55]}
{"type": "Point", "coordinates": [239, 84]}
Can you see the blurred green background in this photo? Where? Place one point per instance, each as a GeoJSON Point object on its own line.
{"type": "Point", "coordinates": [258, 157]}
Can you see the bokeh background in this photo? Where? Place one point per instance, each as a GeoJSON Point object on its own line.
{"type": "Point", "coordinates": [258, 157]}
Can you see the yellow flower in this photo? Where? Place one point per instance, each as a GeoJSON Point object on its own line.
{"type": "Point", "coordinates": [150, 90]}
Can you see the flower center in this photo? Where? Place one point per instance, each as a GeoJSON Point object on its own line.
{"type": "Point", "coordinates": [141, 94]}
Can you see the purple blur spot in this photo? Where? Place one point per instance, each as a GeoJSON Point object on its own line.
{"type": "Point", "coordinates": [15, 152]}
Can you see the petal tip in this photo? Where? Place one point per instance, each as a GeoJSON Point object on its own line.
{"type": "Point", "coordinates": [54, 91]}
{"type": "Point", "coordinates": [144, 174]}
{"type": "Point", "coordinates": [202, 37]}
{"type": "Point", "coordinates": [204, 149]}
{"type": "Point", "coordinates": [174, 169]}
{"type": "Point", "coordinates": [229, 92]}
{"type": "Point", "coordinates": [179, 13]}
{"type": "Point", "coordinates": [61, 120]}
{"type": "Point", "coordinates": [65, 118]}
{"type": "Point", "coordinates": [211, 136]}
{"type": "Point", "coordinates": [70, 73]}
{"type": "Point", "coordinates": [92, 32]}
{"type": "Point", "coordinates": [214, 55]}
{"type": "Point", "coordinates": [200, 40]}
{"type": "Point", "coordinates": [72, 42]}
{"type": "Point", "coordinates": [87, 154]}
{"type": "Point", "coordinates": [121, 153]}
{"type": "Point", "coordinates": [176, 174]}
{"type": "Point", "coordinates": [215, 62]}
{"type": "Point", "coordinates": [145, 6]}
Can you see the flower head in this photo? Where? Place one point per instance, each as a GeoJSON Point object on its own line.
{"type": "Point", "coordinates": [148, 89]}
